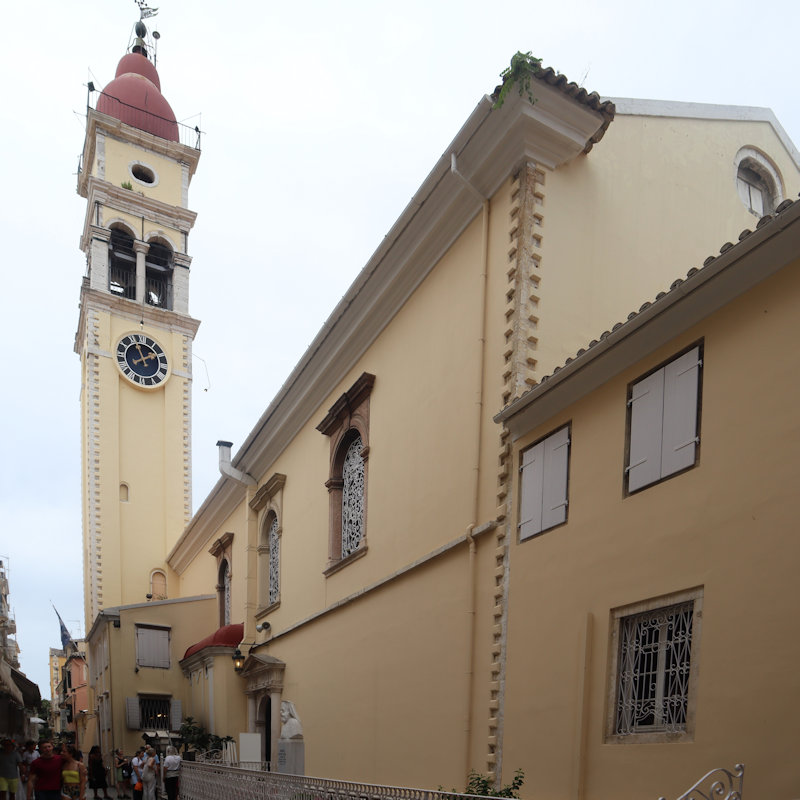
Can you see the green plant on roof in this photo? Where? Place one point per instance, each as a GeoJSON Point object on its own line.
{"type": "Point", "coordinates": [126, 185]}
{"type": "Point", "coordinates": [523, 67]}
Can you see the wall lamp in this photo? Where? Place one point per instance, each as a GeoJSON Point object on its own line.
{"type": "Point", "coordinates": [238, 660]}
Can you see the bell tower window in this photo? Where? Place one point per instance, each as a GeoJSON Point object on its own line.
{"type": "Point", "coordinates": [158, 276]}
{"type": "Point", "coordinates": [121, 264]}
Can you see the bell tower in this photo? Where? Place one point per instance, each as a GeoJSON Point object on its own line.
{"type": "Point", "coordinates": [135, 334]}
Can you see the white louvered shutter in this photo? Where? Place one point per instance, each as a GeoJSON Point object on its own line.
{"type": "Point", "coordinates": [647, 412]}
{"type": "Point", "coordinates": [175, 715]}
{"type": "Point", "coordinates": [680, 413]}
{"type": "Point", "coordinates": [554, 488]}
{"type": "Point", "coordinates": [531, 486]}
{"type": "Point", "coordinates": [132, 716]}
{"type": "Point", "coordinates": [152, 647]}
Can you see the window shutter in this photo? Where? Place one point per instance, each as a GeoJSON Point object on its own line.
{"type": "Point", "coordinates": [680, 412]}
{"type": "Point", "coordinates": [132, 715]}
{"type": "Point", "coordinates": [152, 647]}
{"type": "Point", "coordinates": [175, 715]}
{"type": "Point", "coordinates": [647, 411]}
{"type": "Point", "coordinates": [554, 485]}
{"type": "Point", "coordinates": [531, 487]}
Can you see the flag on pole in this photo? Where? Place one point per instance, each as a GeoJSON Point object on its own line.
{"type": "Point", "coordinates": [67, 642]}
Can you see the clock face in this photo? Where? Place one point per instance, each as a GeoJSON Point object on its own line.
{"type": "Point", "coordinates": [141, 360]}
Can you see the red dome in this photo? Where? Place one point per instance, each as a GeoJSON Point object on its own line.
{"type": "Point", "coordinates": [136, 62]}
{"type": "Point", "coordinates": [226, 636]}
{"type": "Point", "coordinates": [134, 97]}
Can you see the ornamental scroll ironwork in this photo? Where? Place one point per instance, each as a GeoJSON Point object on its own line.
{"type": "Point", "coordinates": [654, 666]}
{"type": "Point", "coordinates": [274, 562]}
{"type": "Point", "coordinates": [352, 498]}
{"type": "Point", "coordinates": [718, 784]}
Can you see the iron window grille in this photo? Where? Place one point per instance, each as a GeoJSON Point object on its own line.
{"type": "Point", "coordinates": [654, 669]}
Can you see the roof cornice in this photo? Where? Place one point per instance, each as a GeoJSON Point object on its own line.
{"type": "Point", "coordinates": [96, 120]}
{"type": "Point", "coordinates": [491, 146]}
{"type": "Point", "coordinates": [758, 255]}
{"type": "Point", "coordinates": [131, 310]}
{"type": "Point", "coordinates": [133, 203]}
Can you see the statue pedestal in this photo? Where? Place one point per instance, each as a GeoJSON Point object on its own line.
{"type": "Point", "coordinates": [291, 757]}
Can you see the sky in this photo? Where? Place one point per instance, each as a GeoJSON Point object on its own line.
{"type": "Point", "coordinates": [319, 121]}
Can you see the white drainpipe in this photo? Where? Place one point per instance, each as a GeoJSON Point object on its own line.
{"type": "Point", "coordinates": [228, 470]}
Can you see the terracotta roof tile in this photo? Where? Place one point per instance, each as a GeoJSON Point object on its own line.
{"type": "Point", "coordinates": [591, 99]}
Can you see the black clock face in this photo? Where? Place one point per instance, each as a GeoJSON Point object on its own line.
{"type": "Point", "coordinates": [141, 360]}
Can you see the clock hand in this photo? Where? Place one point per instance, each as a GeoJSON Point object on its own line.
{"type": "Point", "coordinates": [144, 358]}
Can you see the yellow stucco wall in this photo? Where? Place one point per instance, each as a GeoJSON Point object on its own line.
{"type": "Point", "coordinates": [652, 200]}
{"type": "Point", "coordinates": [140, 444]}
{"type": "Point", "coordinates": [119, 158]}
{"type": "Point", "coordinates": [726, 525]}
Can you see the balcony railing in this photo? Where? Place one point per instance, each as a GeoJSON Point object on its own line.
{"type": "Point", "coordinates": [222, 782]}
{"type": "Point", "coordinates": [147, 121]}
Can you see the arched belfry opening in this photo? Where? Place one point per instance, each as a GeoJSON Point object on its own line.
{"type": "Point", "coordinates": [158, 275]}
{"type": "Point", "coordinates": [121, 264]}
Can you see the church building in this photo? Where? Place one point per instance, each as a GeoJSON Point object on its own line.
{"type": "Point", "coordinates": [376, 551]}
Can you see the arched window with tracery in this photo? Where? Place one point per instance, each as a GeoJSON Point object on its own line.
{"type": "Point", "coordinates": [224, 593]}
{"type": "Point", "coordinates": [352, 496]}
{"type": "Point", "coordinates": [347, 425]}
{"type": "Point", "coordinates": [268, 504]}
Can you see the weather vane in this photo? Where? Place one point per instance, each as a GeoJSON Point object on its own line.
{"type": "Point", "coordinates": [145, 11]}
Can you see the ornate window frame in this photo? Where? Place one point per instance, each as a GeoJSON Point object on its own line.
{"type": "Point", "coordinates": [222, 551]}
{"type": "Point", "coordinates": [346, 422]}
{"type": "Point", "coordinates": [268, 502]}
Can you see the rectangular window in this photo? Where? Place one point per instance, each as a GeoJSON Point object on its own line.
{"type": "Point", "coordinates": [663, 421]}
{"type": "Point", "coordinates": [654, 669]}
{"type": "Point", "coordinates": [543, 484]}
{"type": "Point", "coordinates": [153, 713]}
{"type": "Point", "coordinates": [152, 647]}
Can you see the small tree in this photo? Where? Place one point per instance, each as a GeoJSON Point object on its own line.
{"type": "Point", "coordinates": [523, 67]}
{"type": "Point", "coordinates": [482, 785]}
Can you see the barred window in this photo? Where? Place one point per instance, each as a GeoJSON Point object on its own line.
{"type": "Point", "coordinates": [654, 665]}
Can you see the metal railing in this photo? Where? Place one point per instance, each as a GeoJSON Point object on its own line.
{"type": "Point", "coordinates": [217, 781]}
{"type": "Point", "coordinates": [146, 120]}
{"type": "Point", "coordinates": [718, 784]}
{"type": "Point", "coordinates": [221, 782]}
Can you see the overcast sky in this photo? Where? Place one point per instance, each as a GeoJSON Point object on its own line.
{"type": "Point", "coordinates": [320, 120]}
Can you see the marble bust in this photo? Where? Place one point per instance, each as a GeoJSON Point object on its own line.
{"type": "Point", "coordinates": [290, 722]}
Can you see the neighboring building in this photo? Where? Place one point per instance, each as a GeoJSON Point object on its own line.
{"type": "Point", "coordinates": [362, 535]}
{"type": "Point", "coordinates": [72, 697]}
{"type": "Point", "coordinates": [133, 657]}
{"type": "Point", "coordinates": [653, 575]}
{"type": "Point", "coordinates": [19, 697]}
{"type": "Point", "coordinates": [57, 660]}
{"type": "Point", "coordinates": [9, 649]}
